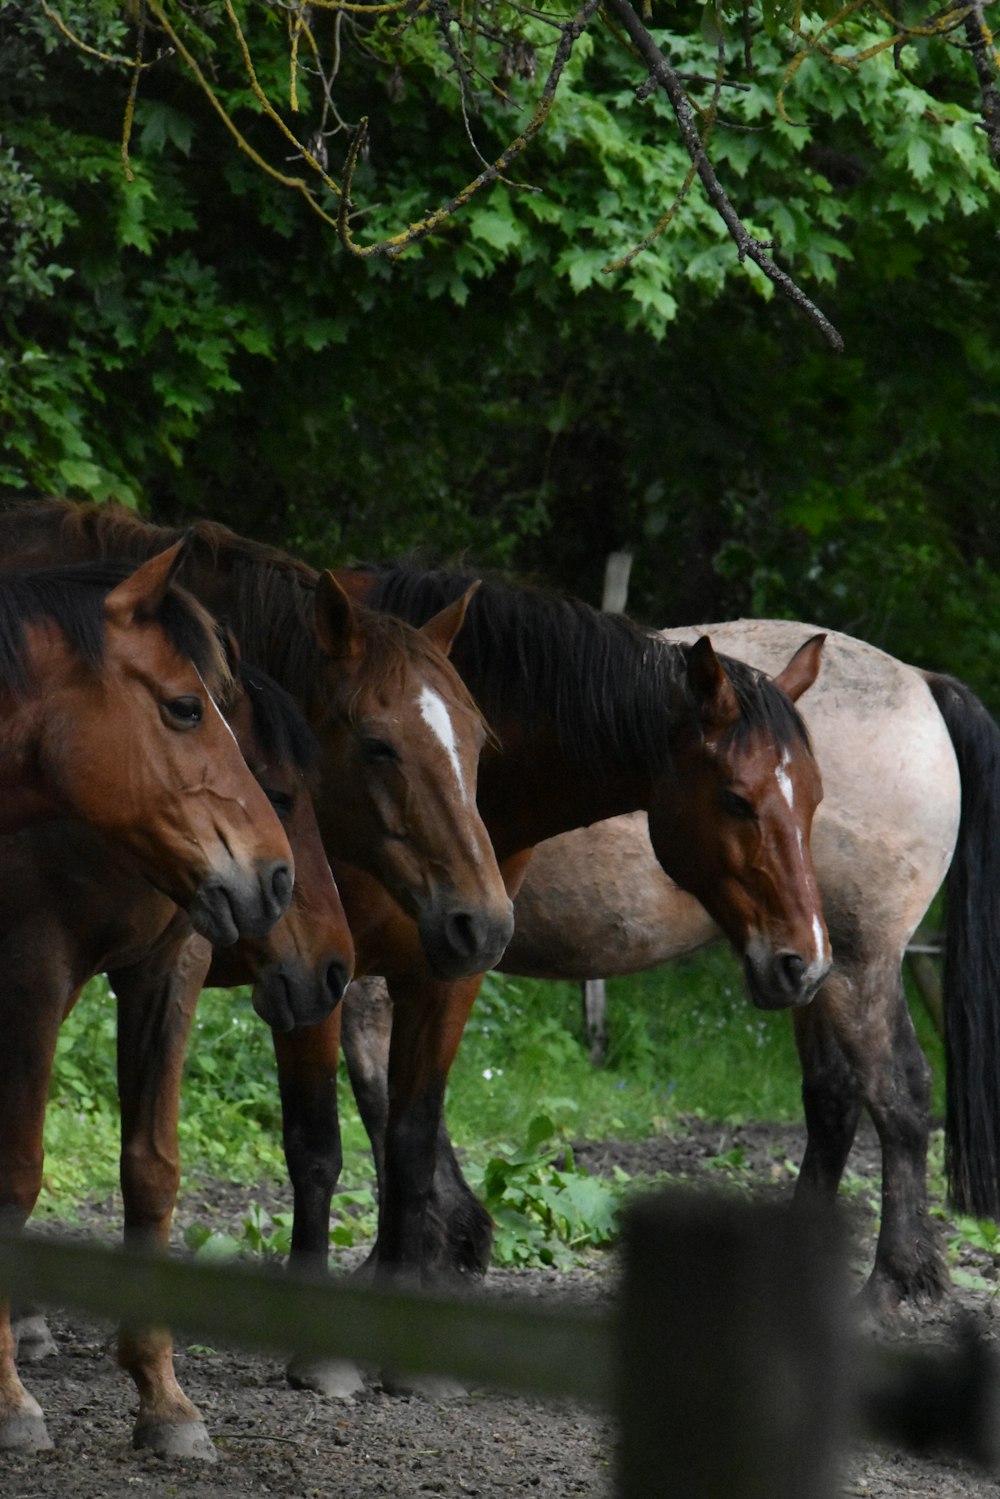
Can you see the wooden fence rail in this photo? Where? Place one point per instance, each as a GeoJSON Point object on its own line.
{"type": "Point", "coordinates": [730, 1361]}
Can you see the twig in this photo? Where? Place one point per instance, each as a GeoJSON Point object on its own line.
{"type": "Point", "coordinates": [747, 246]}
{"type": "Point", "coordinates": [571, 31]}
{"type": "Point", "coordinates": [984, 58]}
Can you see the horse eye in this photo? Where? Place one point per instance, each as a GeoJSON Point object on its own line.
{"type": "Point", "coordinates": [379, 750]}
{"type": "Point", "coordinates": [281, 801]}
{"type": "Point", "coordinates": [738, 806]}
{"type": "Point", "coordinates": [183, 712]}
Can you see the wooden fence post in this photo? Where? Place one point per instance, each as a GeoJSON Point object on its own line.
{"type": "Point", "coordinates": [617, 570]}
{"type": "Point", "coordinates": [731, 1380]}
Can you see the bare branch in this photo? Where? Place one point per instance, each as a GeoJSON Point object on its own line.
{"type": "Point", "coordinates": [748, 247]}
{"type": "Point", "coordinates": [571, 32]}
{"type": "Point", "coordinates": [984, 57]}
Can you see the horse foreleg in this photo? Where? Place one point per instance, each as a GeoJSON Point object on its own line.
{"type": "Point", "coordinates": [429, 1017]}
{"type": "Point", "coordinates": [462, 1235]}
{"type": "Point", "coordinates": [831, 1099]}
{"type": "Point", "coordinates": [30, 1024]}
{"type": "Point", "coordinates": [307, 1077]}
{"type": "Point", "coordinates": [366, 1035]}
{"type": "Point", "coordinates": [870, 1025]}
{"type": "Point", "coordinates": [156, 1004]}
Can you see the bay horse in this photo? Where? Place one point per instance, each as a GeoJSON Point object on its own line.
{"type": "Point", "coordinates": [70, 908]}
{"type": "Point", "coordinates": [399, 734]}
{"type": "Point", "coordinates": [911, 774]}
{"type": "Point", "coordinates": [591, 716]}
{"type": "Point", "coordinates": [107, 677]}
{"type": "Point", "coordinates": [600, 718]}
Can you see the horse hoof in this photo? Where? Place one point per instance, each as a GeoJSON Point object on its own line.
{"type": "Point", "coordinates": [25, 1432]}
{"type": "Point", "coordinates": [336, 1378]}
{"type": "Point", "coordinates": [33, 1339]}
{"type": "Point", "coordinates": [431, 1387]}
{"type": "Point", "coordinates": [176, 1439]}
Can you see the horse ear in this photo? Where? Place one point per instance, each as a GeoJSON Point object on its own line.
{"type": "Point", "coordinates": [141, 594]}
{"type": "Point", "coordinates": [355, 581]}
{"type": "Point", "coordinates": [442, 629]}
{"type": "Point", "coordinates": [710, 687]}
{"type": "Point", "coordinates": [335, 626]}
{"type": "Point", "coordinates": [803, 669]}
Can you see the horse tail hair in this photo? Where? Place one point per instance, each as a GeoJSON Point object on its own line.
{"type": "Point", "coordinates": [972, 957]}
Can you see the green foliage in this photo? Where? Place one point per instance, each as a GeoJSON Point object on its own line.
{"type": "Point", "coordinates": [545, 1209]}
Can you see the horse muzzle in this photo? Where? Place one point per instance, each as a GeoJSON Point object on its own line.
{"type": "Point", "coordinates": [289, 995]}
{"type": "Point", "coordinates": [241, 903]}
{"type": "Point", "coordinates": [458, 943]}
{"type": "Point", "coordinates": [782, 980]}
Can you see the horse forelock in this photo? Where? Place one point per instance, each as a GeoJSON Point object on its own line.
{"type": "Point", "coordinates": [763, 709]}
{"type": "Point", "coordinates": [72, 597]}
{"type": "Point", "coordinates": [391, 648]}
{"type": "Point", "coordinates": [279, 725]}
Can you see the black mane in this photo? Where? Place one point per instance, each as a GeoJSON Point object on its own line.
{"type": "Point", "coordinates": [266, 595]}
{"type": "Point", "coordinates": [72, 598]}
{"type": "Point", "coordinates": [278, 722]}
{"type": "Point", "coordinates": [611, 690]}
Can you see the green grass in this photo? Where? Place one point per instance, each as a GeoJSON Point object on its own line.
{"type": "Point", "coordinates": [684, 1040]}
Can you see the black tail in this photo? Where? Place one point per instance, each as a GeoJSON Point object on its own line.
{"type": "Point", "coordinates": [972, 957]}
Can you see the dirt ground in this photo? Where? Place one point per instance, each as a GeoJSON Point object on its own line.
{"type": "Point", "coordinates": [277, 1441]}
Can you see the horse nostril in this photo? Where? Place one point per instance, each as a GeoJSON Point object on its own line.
{"type": "Point", "coordinates": [460, 931]}
{"type": "Point", "coordinates": [791, 968]}
{"type": "Point", "coordinates": [337, 979]}
{"type": "Point", "coordinates": [281, 885]}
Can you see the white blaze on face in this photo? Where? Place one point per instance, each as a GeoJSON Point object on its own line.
{"type": "Point", "coordinates": [822, 952]}
{"type": "Point", "coordinates": [784, 780]}
{"type": "Point", "coordinates": [437, 719]}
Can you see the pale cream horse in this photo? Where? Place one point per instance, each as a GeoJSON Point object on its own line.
{"type": "Point", "coordinates": [897, 815]}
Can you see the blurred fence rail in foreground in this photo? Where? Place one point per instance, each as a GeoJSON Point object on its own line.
{"type": "Point", "coordinates": [731, 1359]}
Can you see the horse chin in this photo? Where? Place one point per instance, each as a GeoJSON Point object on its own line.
{"type": "Point", "coordinates": [211, 914]}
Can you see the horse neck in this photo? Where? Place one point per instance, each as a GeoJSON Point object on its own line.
{"type": "Point", "coordinates": [529, 792]}
{"type": "Point", "coordinates": [27, 792]}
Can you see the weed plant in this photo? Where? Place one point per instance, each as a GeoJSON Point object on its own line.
{"type": "Point", "coordinates": [683, 1040]}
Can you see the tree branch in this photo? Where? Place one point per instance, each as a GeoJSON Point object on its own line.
{"type": "Point", "coordinates": [571, 31]}
{"type": "Point", "coordinates": [748, 247]}
{"type": "Point", "coordinates": [984, 58]}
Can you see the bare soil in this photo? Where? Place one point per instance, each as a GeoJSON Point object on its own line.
{"type": "Point", "coordinates": [278, 1441]}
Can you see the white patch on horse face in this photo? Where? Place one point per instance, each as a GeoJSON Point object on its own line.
{"type": "Point", "coordinates": [784, 780]}
{"type": "Point", "coordinates": [822, 952]}
{"type": "Point", "coordinates": [437, 719]}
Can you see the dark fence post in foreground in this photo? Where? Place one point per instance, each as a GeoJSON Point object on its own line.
{"type": "Point", "coordinates": [732, 1379]}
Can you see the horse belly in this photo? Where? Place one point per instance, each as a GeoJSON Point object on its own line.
{"type": "Point", "coordinates": [595, 901]}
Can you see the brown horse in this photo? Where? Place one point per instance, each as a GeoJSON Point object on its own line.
{"type": "Point", "coordinates": [68, 909]}
{"type": "Point", "coordinates": [399, 734]}
{"type": "Point", "coordinates": [106, 710]}
{"type": "Point", "coordinates": [593, 717]}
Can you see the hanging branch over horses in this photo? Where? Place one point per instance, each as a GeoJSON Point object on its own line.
{"type": "Point", "coordinates": [485, 65]}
